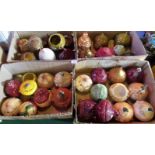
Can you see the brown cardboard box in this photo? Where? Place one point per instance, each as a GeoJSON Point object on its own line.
{"type": "Point", "coordinates": [25, 34]}
{"type": "Point", "coordinates": [137, 47]}
{"type": "Point", "coordinates": [8, 70]}
{"type": "Point", "coordinates": [90, 64]}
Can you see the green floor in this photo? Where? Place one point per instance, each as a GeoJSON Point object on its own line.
{"type": "Point", "coordinates": [43, 121]}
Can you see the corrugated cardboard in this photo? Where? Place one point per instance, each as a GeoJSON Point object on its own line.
{"type": "Point", "coordinates": [8, 70]}
{"type": "Point", "coordinates": [25, 34]}
{"type": "Point", "coordinates": [137, 47]}
{"type": "Point", "coordinates": [149, 79]}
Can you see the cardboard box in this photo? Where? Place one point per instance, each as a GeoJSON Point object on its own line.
{"type": "Point", "coordinates": [8, 70]}
{"type": "Point", "coordinates": [137, 47]}
{"type": "Point", "coordinates": [82, 66]}
{"type": "Point", "coordinates": [13, 49]}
